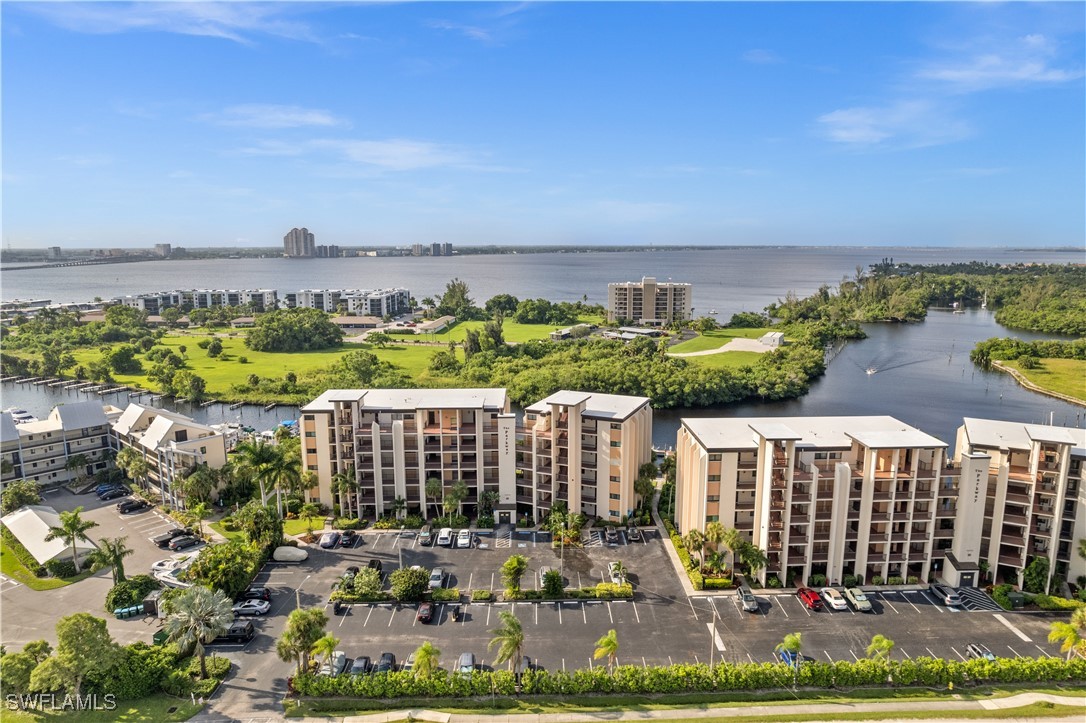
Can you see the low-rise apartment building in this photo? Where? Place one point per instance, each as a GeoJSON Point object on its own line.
{"type": "Point", "coordinates": [43, 451]}
{"type": "Point", "coordinates": [171, 444]}
{"type": "Point", "coordinates": [379, 302]}
{"type": "Point", "coordinates": [1022, 498]}
{"type": "Point", "coordinates": [649, 301]}
{"type": "Point", "coordinates": [821, 495]}
{"type": "Point", "coordinates": [583, 449]}
{"type": "Point", "coordinates": [394, 440]}
{"type": "Point", "coordinates": [154, 303]}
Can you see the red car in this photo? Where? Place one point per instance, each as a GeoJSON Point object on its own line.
{"type": "Point", "coordinates": [809, 598]}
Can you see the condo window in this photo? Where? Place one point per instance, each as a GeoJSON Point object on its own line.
{"type": "Point", "coordinates": [712, 518]}
{"type": "Point", "coordinates": [615, 497]}
{"type": "Point", "coordinates": [714, 478]}
{"type": "Point", "coordinates": [311, 434]}
{"type": "Point", "coordinates": [616, 425]}
{"type": "Point", "coordinates": [713, 498]}
{"type": "Point", "coordinates": [715, 457]}
{"type": "Point", "coordinates": [310, 450]}
{"type": "Point", "coordinates": [616, 443]}
{"type": "Point", "coordinates": [312, 467]}
{"type": "Point", "coordinates": [615, 478]}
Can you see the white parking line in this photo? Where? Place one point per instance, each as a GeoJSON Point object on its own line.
{"type": "Point", "coordinates": [536, 614]}
{"type": "Point", "coordinates": [1043, 651]}
{"type": "Point", "coordinates": [712, 604]}
{"type": "Point", "coordinates": [903, 652]}
{"type": "Point", "coordinates": [716, 637]}
{"type": "Point", "coordinates": [635, 613]}
{"type": "Point", "coordinates": [957, 653]}
{"type": "Point", "coordinates": [827, 656]}
{"type": "Point", "coordinates": [612, 617]}
{"type": "Point", "coordinates": [492, 581]}
{"type": "Point", "coordinates": [1016, 653]}
{"type": "Point", "coordinates": [778, 597]}
{"type": "Point", "coordinates": [559, 606]}
{"type": "Point", "coordinates": [343, 618]}
{"type": "Point", "coordinates": [692, 608]}
{"type": "Point", "coordinates": [931, 653]}
{"type": "Point", "coordinates": [910, 603]}
{"type": "Point", "coordinates": [1021, 636]}
{"type": "Point", "coordinates": [368, 616]}
{"type": "Point", "coordinates": [470, 576]}
{"type": "Point", "coordinates": [584, 614]}
{"type": "Point", "coordinates": [488, 607]}
{"type": "Point", "coordinates": [390, 617]}
{"type": "Point", "coordinates": [883, 598]}
{"type": "Point", "coordinates": [853, 655]}
{"type": "Point", "coordinates": [933, 603]}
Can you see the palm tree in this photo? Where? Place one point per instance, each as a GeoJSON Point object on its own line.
{"type": "Point", "coordinates": [1082, 548]}
{"type": "Point", "coordinates": [399, 504]}
{"type": "Point", "coordinates": [111, 554]}
{"type": "Point", "coordinates": [880, 647]}
{"type": "Point", "coordinates": [733, 540]}
{"type": "Point", "coordinates": [694, 541]}
{"type": "Point", "coordinates": [510, 641]}
{"type": "Point", "coordinates": [426, 660]}
{"type": "Point", "coordinates": [457, 494]}
{"type": "Point", "coordinates": [325, 647]}
{"type": "Point", "coordinates": [199, 485]}
{"type": "Point", "coordinates": [199, 616]}
{"type": "Point", "coordinates": [73, 528]}
{"type": "Point", "coordinates": [77, 463]}
{"type": "Point", "coordinates": [253, 460]}
{"type": "Point", "coordinates": [342, 483]}
{"type": "Point", "coordinates": [753, 557]}
{"type": "Point", "coordinates": [132, 463]}
{"type": "Point", "coordinates": [309, 512]}
{"type": "Point", "coordinates": [512, 571]}
{"type": "Point", "coordinates": [714, 533]}
{"type": "Point", "coordinates": [434, 488]}
{"type": "Point", "coordinates": [792, 644]}
{"type": "Point", "coordinates": [200, 512]}
{"type": "Point", "coordinates": [304, 628]}
{"type": "Point", "coordinates": [607, 645]}
{"type": "Point", "coordinates": [1070, 634]}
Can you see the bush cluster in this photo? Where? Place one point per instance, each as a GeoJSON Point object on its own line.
{"type": "Point", "coordinates": [1051, 602]}
{"type": "Point", "coordinates": [21, 553]}
{"type": "Point", "coordinates": [689, 565]}
{"type": "Point", "coordinates": [60, 567]}
{"type": "Point", "coordinates": [126, 594]}
{"type": "Point", "coordinates": [346, 523]}
{"type": "Point", "coordinates": [1002, 595]}
{"type": "Point", "coordinates": [692, 678]}
{"type": "Point", "coordinates": [717, 583]}
{"type": "Point", "coordinates": [481, 596]}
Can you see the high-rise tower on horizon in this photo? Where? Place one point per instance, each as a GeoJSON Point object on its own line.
{"type": "Point", "coordinates": [299, 243]}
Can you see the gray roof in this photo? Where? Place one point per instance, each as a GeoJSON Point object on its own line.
{"type": "Point", "coordinates": [604, 406]}
{"type": "Point", "coordinates": [998, 434]}
{"type": "Point", "coordinates": [409, 400]}
{"type": "Point", "coordinates": [738, 433]}
{"type": "Point", "coordinates": [8, 431]}
{"type": "Point", "coordinates": [31, 524]}
{"type": "Point", "coordinates": [80, 415]}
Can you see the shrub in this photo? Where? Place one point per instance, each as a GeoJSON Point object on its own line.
{"type": "Point", "coordinates": [1051, 602]}
{"type": "Point", "coordinates": [816, 581]}
{"type": "Point", "coordinates": [877, 580]}
{"type": "Point", "coordinates": [717, 583]}
{"type": "Point", "coordinates": [386, 523]}
{"type": "Point", "coordinates": [130, 592]}
{"type": "Point", "coordinates": [60, 568]}
{"type": "Point", "coordinates": [413, 522]}
{"type": "Point", "coordinates": [367, 582]}
{"type": "Point", "coordinates": [410, 585]}
{"type": "Point", "coordinates": [1001, 594]}
{"type": "Point", "coordinates": [772, 581]}
{"type": "Point", "coordinates": [912, 580]}
{"type": "Point", "coordinates": [553, 584]}
{"type": "Point", "coordinates": [243, 360]}
{"type": "Point", "coordinates": [895, 580]}
{"type": "Point", "coordinates": [21, 553]}
{"type": "Point", "coordinates": [850, 580]}
{"type": "Point", "coordinates": [446, 594]}
{"type": "Point", "coordinates": [346, 523]}
{"type": "Point", "coordinates": [141, 672]}
{"type": "Point", "coordinates": [610, 591]}
{"type": "Point", "coordinates": [485, 522]}
{"type": "Point", "coordinates": [481, 596]}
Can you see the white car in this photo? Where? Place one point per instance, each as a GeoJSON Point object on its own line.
{"type": "Point", "coordinates": [464, 538]}
{"type": "Point", "coordinates": [437, 578]}
{"type": "Point", "coordinates": [173, 563]}
{"type": "Point", "coordinates": [445, 537]}
{"type": "Point", "coordinates": [336, 665]}
{"type": "Point", "coordinates": [614, 571]}
{"type": "Point", "coordinates": [252, 607]}
{"type": "Point", "coordinates": [834, 598]}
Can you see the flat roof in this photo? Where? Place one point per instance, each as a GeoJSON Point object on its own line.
{"type": "Point", "coordinates": [411, 399]}
{"type": "Point", "coordinates": [999, 434]}
{"type": "Point", "coordinates": [739, 433]}
{"type": "Point", "coordinates": [603, 406]}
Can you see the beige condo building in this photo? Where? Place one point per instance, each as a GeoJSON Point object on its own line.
{"type": "Point", "coordinates": [397, 439]}
{"type": "Point", "coordinates": [583, 449]}
{"type": "Point", "coordinates": [649, 301]}
{"type": "Point", "coordinates": [43, 451]}
{"type": "Point", "coordinates": [821, 495]}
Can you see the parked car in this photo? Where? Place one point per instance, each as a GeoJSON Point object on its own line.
{"type": "Point", "coordinates": [347, 538]}
{"type": "Point", "coordinates": [335, 665]}
{"type": "Point", "coordinates": [183, 542]}
{"type": "Point", "coordinates": [465, 666]}
{"type": "Point", "coordinates": [329, 540]}
{"type": "Point", "coordinates": [437, 578]}
{"type": "Point", "coordinates": [386, 664]}
{"type": "Point", "coordinates": [409, 664]}
{"type": "Point", "coordinates": [426, 536]}
{"type": "Point", "coordinates": [240, 631]}
{"type": "Point", "coordinates": [132, 506]}
{"type": "Point", "coordinates": [633, 534]}
{"type": "Point", "coordinates": [834, 599]}
{"type": "Point", "coordinates": [255, 593]}
{"type": "Point", "coordinates": [463, 539]}
{"type": "Point", "coordinates": [610, 534]}
{"type": "Point", "coordinates": [747, 599]}
{"type": "Point", "coordinates": [979, 651]}
{"type": "Point", "coordinates": [164, 539]}
{"type": "Point", "coordinates": [543, 570]}
{"type": "Point", "coordinates": [857, 599]}
{"type": "Point", "coordinates": [106, 486]}
{"type": "Point", "coordinates": [425, 613]}
{"type": "Point", "coordinates": [374, 564]}
{"type": "Point", "coordinates": [809, 598]}
{"type": "Point", "coordinates": [113, 493]}
{"type": "Point", "coordinates": [445, 537]}
{"type": "Point", "coordinates": [252, 607]}
{"type": "Point", "coordinates": [614, 571]}
{"type": "Point", "coordinates": [169, 564]}
{"type": "Point", "coordinates": [944, 594]}
{"type": "Point", "coordinates": [361, 665]}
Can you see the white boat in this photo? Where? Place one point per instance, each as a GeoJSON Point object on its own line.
{"type": "Point", "coordinates": [713, 312]}
{"type": "Point", "coordinates": [871, 370]}
{"type": "Point", "coordinates": [984, 304]}
{"type": "Point", "coordinates": [21, 416]}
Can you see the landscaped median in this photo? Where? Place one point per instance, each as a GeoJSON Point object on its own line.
{"type": "Point", "coordinates": [692, 678]}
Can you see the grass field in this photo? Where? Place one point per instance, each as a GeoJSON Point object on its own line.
{"type": "Point", "coordinates": [1066, 376]}
{"type": "Point", "coordinates": [717, 338]}
{"type": "Point", "coordinates": [726, 360]}
{"type": "Point", "coordinates": [11, 567]}
{"type": "Point", "coordinates": [512, 330]}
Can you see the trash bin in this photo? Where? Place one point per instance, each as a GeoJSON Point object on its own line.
{"type": "Point", "coordinates": [120, 613]}
{"type": "Point", "coordinates": [160, 637]}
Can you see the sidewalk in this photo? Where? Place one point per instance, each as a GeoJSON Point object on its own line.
{"type": "Point", "coordinates": [823, 711]}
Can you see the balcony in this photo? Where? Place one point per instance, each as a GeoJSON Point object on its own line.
{"type": "Point", "coordinates": [896, 557]}
{"type": "Point", "coordinates": [853, 514]}
{"type": "Point", "coordinates": [797, 559]}
{"type": "Point", "coordinates": [745, 484]}
{"type": "Point", "coordinates": [1012, 560]}
{"type": "Point", "coordinates": [1018, 497]}
{"type": "Point", "coordinates": [801, 496]}
{"type": "Point", "coordinates": [1047, 510]}
{"type": "Point", "coordinates": [1014, 519]}
{"type": "Point", "coordinates": [923, 493]}
{"type": "Point", "coordinates": [880, 516]}
{"type": "Point", "coordinates": [1016, 540]}
{"type": "Point", "coordinates": [881, 495]}
{"type": "Point", "coordinates": [943, 511]}
{"type": "Point", "coordinates": [1040, 531]}
{"type": "Point", "coordinates": [800, 475]}
{"type": "Point", "coordinates": [778, 482]}
{"type": "Point", "coordinates": [799, 518]}
{"type": "Point", "coordinates": [1019, 473]}
{"type": "Point", "coordinates": [777, 503]}
{"type": "Point", "coordinates": [744, 505]}
{"type": "Point", "coordinates": [821, 534]}
{"type": "Point", "coordinates": [942, 534]}
{"type": "Point", "coordinates": [899, 536]}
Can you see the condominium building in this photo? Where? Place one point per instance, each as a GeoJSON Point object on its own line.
{"type": "Point", "coordinates": [328, 300]}
{"type": "Point", "coordinates": [649, 301]}
{"type": "Point", "coordinates": [395, 440]}
{"type": "Point", "coordinates": [42, 452]}
{"type": "Point", "coordinates": [154, 303]}
{"type": "Point", "coordinates": [585, 450]}
{"type": "Point", "coordinates": [1022, 498]}
{"type": "Point", "coordinates": [299, 243]}
{"type": "Point", "coordinates": [831, 495]}
{"type": "Point", "coordinates": [380, 302]}
{"type": "Point", "coordinates": [171, 444]}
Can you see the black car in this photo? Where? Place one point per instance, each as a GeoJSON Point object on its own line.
{"type": "Point", "coordinates": [255, 593]}
{"type": "Point", "coordinates": [241, 631]}
{"type": "Point", "coordinates": [113, 493]}
{"type": "Point", "coordinates": [131, 506]}
{"type": "Point", "coordinates": [386, 664]}
{"type": "Point", "coordinates": [374, 565]}
{"type": "Point", "coordinates": [360, 666]}
{"type": "Point", "coordinates": [164, 539]}
{"type": "Point", "coordinates": [182, 542]}
{"type": "Point", "coordinates": [348, 538]}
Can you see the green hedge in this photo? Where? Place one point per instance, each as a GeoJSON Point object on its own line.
{"type": "Point", "coordinates": [1001, 594]}
{"type": "Point", "coordinates": [481, 596]}
{"type": "Point", "coordinates": [1051, 602]}
{"type": "Point", "coordinates": [689, 565]}
{"type": "Point", "coordinates": [717, 583]}
{"type": "Point", "coordinates": [21, 553]}
{"type": "Point", "coordinates": [693, 678]}
{"type": "Point", "coordinates": [446, 594]}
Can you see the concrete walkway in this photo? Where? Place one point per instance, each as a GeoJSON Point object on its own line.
{"type": "Point", "coordinates": [821, 711]}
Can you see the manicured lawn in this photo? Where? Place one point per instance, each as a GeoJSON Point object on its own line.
{"type": "Point", "coordinates": [717, 338]}
{"type": "Point", "coordinates": [726, 359]}
{"type": "Point", "coordinates": [154, 708]}
{"type": "Point", "coordinates": [1066, 376]}
{"type": "Point", "coordinates": [236, 535]}
{"type": "Point", "coordinates": [299, 527]}
{"type": "Point", "coordinates": [11, 567]}
{"type": "Point", "coordinates": [512, 330]}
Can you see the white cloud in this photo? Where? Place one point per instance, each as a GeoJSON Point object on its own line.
{"type": "Point", "coordinates": [904, 124]}
{"type": "Point", "coordinates": [257, 115]}
{"type": "Point", "coordinates": [472, 32]}
{"type": "Point", "coordinates": [1027, 60]}
{"type": "Point", "coordinates": [395, 154]}
{"type": "Point", "coordinates": [760, 56]}
{"type": "Point", "coordinates": [234, 21]}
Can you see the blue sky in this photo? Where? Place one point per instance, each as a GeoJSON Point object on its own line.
{"type": "Point", "coordinates": [128, 124]}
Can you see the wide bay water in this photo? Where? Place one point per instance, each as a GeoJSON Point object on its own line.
{"type": "Point", "coordinates": [923, 375]}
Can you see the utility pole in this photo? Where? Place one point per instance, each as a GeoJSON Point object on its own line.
{"type": "Point", "coordinates": [298, 593]}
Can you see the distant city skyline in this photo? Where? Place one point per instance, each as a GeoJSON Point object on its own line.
{"type": "Point", "coordinates": [863, 124]}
